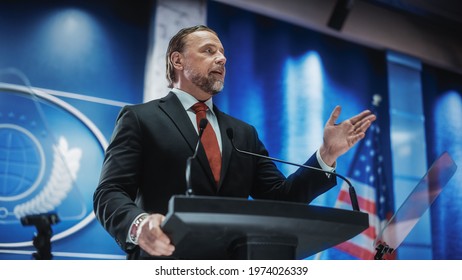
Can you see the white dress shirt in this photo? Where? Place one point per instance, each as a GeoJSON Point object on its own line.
{"type": "Point", "coordinates": [188, 101]}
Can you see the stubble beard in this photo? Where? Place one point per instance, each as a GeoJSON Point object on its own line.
{"type": "Point", "coordinates": [207, 83]}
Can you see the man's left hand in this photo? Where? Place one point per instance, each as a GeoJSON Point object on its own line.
{"type": "Point", "coordinates": [339, 138]}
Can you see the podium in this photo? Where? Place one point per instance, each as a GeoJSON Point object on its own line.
{"type": "Point", "coordinates": [204, 227]}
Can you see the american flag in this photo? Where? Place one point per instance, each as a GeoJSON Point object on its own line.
{"type": "Point", "coordinates": [374, 194]}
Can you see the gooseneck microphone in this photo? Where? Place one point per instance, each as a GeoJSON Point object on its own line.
{"type": "Point", "coordinates": [352, 192]}
{"type": "Point", "coordinates": [202, 124]}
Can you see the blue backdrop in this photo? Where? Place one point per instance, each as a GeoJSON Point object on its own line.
{"type": "Point", "coordinates": [89, 59]}
{"type": "Point", "coordinates": [443, 110]}
{"type": "Point", "coordinates": [93, 55]}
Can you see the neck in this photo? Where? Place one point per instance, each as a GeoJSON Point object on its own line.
{"type": "Point", "coordinates": [196, 92]}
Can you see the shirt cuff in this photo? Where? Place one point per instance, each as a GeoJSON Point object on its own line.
{"type": "Point", "coordinates": [323, 165]}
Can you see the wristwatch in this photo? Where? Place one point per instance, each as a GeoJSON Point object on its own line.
{"type": "Point", "coordinates": [135, 226]}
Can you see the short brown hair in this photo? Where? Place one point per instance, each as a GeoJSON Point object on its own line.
{"type": "Point", "coordinates": [177, 44]}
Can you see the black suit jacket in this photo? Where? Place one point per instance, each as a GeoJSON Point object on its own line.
{"type": "Point", "coordinates": [145, 164]}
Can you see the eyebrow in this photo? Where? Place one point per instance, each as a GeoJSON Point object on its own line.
{"type": "Point", "coordinates": [212, 45]}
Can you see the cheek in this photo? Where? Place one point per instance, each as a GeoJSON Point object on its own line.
{"type": "Point", "coordinates": [198, 66]}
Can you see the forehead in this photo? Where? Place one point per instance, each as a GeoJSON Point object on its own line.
{"type": "Point", "coordinates": [203, 38]}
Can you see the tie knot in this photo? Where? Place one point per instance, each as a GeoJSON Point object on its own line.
{"type": "Point", "coordinates": [199, 106]}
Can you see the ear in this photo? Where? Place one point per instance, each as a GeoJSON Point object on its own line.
{"type": "Point", "coordinates": [177, 60]}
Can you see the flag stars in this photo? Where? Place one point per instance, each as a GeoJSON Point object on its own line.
{"type": "Point", "coordinates": [371, 179]}
{"type": "Point", "coordinates": [368, 143]}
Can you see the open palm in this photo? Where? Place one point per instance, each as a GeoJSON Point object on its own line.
{"type": "Point", "coordinates": [339, 138]}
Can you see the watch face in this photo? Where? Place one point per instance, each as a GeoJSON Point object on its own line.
{"type": "Point", "coordinates": [46, 148]}
{"type": "Point", "coordinates": [135, 226]}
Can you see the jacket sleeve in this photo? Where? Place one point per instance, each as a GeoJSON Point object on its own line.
{"type": "Point", "coordinates": [114, 198]}
{"type": "Point", "coordinates": [303, 185]}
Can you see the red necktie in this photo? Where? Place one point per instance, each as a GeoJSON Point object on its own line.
{"type": "Point", "coordinates": [209, 141]}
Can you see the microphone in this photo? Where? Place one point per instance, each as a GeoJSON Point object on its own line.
{"type": "Point", "coordinates": [202, 124]}
{"type": "Point", "coordinates": [351, 189]}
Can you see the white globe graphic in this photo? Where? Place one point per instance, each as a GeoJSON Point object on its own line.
{"type": "Point", "coordinates": [21, 162]}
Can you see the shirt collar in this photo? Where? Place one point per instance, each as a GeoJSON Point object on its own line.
{"type": "Point", "coordinates": [187, 100]}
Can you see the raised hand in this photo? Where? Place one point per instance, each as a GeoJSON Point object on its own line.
{"type": "Point", "coordinates": [339, 138]}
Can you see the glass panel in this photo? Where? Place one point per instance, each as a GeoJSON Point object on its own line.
{"type": "Point", "coordinates": [416, 204]}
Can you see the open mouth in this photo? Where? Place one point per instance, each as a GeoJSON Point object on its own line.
{"type": "Point", "coordinates": [218, 72]}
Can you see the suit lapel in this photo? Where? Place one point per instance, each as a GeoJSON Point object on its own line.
{"type": "Point", "coordinates": [173, 108]}
{"type": "Point", "coordinates": [175, 111]}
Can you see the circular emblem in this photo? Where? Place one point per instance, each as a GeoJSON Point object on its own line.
{"type": "Point", "coordinates": [23, 163]}
{"type": "Point", "coordinates": [50, 159]}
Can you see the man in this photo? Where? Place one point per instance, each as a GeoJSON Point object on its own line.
{"type": "Point", "coordinates": [145, 161]}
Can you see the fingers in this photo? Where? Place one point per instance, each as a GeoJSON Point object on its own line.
{"type": "Point", "coordinates": [365, 115]}
{"type": "Point", "coordinates": [152, 239]}
{"type": "Point", "coordinates": [334, 115]}
{"type": "Point", "coordinates": [357, 121]}
{"type": "Point", "coordinates": [362, 125]}
{"type": "Point", "coordinates": [352, 140]}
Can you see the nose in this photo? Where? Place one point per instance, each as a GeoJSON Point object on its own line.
{"type": "Point", "coordinates": [221, 58]}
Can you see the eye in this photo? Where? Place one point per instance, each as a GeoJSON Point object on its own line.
{"type": "Point", "coordinates": [209, 50]}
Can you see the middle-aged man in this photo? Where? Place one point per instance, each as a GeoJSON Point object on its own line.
{"type": "Point", "coordinates": [146, 158]}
